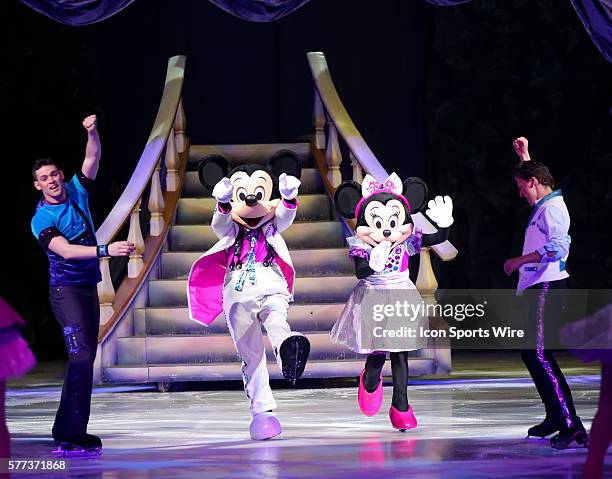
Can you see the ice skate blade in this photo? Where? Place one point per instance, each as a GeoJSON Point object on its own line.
{"type": "Point", "coordinates": [73, 452]}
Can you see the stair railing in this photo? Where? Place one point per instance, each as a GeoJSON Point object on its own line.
{"type": "Point", "coordinates": [162, 163]}
{"type": "Point", "coordinates": [332, 123]}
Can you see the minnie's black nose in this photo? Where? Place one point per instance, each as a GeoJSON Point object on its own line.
{"type": "Point", "coordinates": [386, 233]}
{"type": "Point", "coordinates": [250, 200]}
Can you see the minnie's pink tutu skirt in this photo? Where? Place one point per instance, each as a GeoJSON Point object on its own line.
{"type": "Point", "coordinates": [16, 359]}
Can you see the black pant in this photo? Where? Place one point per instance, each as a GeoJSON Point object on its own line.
{"type": "Point", "coordinates": [542, 365]}
{"type": "Point", "coordinates": [399, 369]}
{"type": "Point", "coordinates": [77, 309]}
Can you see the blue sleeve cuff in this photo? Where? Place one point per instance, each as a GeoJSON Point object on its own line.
{"type": "Point", "coordinates": [550, 253]}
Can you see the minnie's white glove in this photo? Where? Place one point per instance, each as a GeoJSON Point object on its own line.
{"type": "Point", "coordinates": [223, 191]}
{"type": "Point", "coordinates": [288, 186]}
{"type": "Point", "coordinates": [379, 255]}
{"type": "Point", "coordinates": [441, 211]}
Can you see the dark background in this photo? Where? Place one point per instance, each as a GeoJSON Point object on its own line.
{"type": "Point", "coordinates": [436, 92]}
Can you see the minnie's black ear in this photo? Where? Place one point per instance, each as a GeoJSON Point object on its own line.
{"type": "Point", "coordinates": [285, 161]}
{"type": "Point", "coordinates": [211, 169]}
{"type": "Point", "coordinates": [415, 191]}
{"type": "Point", "coordinates": [346, 198]}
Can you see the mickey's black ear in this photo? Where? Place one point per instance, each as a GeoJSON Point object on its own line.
{"type": "Point", "coordinates": [285, 161]}
{"type": "Point", "coordinates": [346, 198]}
{"type": "Point", "coordinates": [211, 170]}
{"type": "Point", "coordinates": [415, 191]}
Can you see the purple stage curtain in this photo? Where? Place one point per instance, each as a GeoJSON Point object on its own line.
{"type": "Point", "coordinates": [84, 12]}
{"type": "Point", "coordinates": [259, 10]}
{"type": "Point", "coordinates": [597, 18]}
{"type": "Point", "coordinates": [595, 14]}
{"type": "Point", "coordinates": [77, 12]}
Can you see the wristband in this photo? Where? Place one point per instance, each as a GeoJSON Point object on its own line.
{"type": "Point", "coordinates": [102, 251]}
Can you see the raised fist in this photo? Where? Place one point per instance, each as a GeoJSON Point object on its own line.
{"type": "Point", "coordinates": [288, 186]}
{"type": "Point", "coordinates": [521, 148]}
{"type": "Point", "coordinates": [223, 191]}
{"type": "Point", "coordinates": [440, 210]}
{"type": "Point", "coordinates": [89, 123]}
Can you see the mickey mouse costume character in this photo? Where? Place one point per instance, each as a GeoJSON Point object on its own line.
{"type": "Point", "coordinates": [385, 239]}
{"type": "Point", "coordinates": [248, 273]}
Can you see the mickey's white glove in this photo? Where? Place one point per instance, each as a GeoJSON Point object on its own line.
{"type": "Point", "coordinates": [441, 211]}
{"type": "Point", "coordinates": [379, 255]}
{"type": "Point", "coordinates": [223, 191]}
{"type": "Point", "coordinates": [288, 186]}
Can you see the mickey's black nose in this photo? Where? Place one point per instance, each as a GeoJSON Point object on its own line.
{"type": "Point", "coordinates": [386, 233]}
{"type": "Point", "coordinates": [250, 200]}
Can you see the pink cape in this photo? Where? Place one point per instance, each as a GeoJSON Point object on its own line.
{"type": "Point", "coordinates": [205, 287]}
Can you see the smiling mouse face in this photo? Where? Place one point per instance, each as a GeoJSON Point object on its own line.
{"type": "Point", "coordinates": [382, 211]}
{"type": "Point", "coordinates": [256, 193]}
{"type": "Point", "coordinates": [384, 217]}
{"type": "Point", "coordinates": [253, 203]}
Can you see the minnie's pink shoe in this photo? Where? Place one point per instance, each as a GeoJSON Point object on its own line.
{"type": "Point", "coordinates": [369, 403]}
{"type": "Point", "coordinates": [402, 420]}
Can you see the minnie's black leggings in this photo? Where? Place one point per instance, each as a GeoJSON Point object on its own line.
{"type": "Point", "coordinates": [399, 368]}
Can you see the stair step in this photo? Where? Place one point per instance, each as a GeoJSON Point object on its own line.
{"type": "Point", "coordinates": [319, 234]}
{"type": "Point", "coordinates": [315, 289]}
{"type": "Point", "coordinates": [192, 188]}
{"type": "Point", "coordinates": [231, 371]}
{"type": "Point", "coordinates": [307, 262]}
{"type": "Point", "coordinates": [189, 349]}
{"type": "Point", "coordinates": [194, 211]}
{"type": "Point", "coordinates": [210, 349]}
{"type": "Point", "coordinates": [169, 347]}
{"type": "Point", "coordinates": [236, 154]}
{"type": "Point", "coordinates": [168, 321]}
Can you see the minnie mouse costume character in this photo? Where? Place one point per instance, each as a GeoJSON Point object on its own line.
{"type": "Point", "coordinates": [385, 239]}
{"type": "Point", "coordinates": [248, 274]}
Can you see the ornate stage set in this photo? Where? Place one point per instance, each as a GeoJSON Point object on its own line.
{"type": "Point", "coordinates": [146, 334]}
{"type": "Point", "coordinates": [471, 425]}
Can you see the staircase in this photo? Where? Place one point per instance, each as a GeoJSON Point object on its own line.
{"type": "Point", "coordinates": [166, 346]}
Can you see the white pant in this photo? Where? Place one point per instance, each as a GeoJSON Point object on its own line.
{"type": "Point", "coordinates": [264, 303]}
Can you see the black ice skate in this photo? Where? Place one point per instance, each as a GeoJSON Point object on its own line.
{"type": "Point", "coordinates": [571, 438]}
{"type": "Point", "coordinates": [544, 429]}
{"type": "Point", "coordinates": [294, 353]}
{"type": "Point", "coordinates": [86, 445]}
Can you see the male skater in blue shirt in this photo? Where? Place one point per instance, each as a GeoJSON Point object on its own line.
{"type": "Point", "coordinates": [63, 226]}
